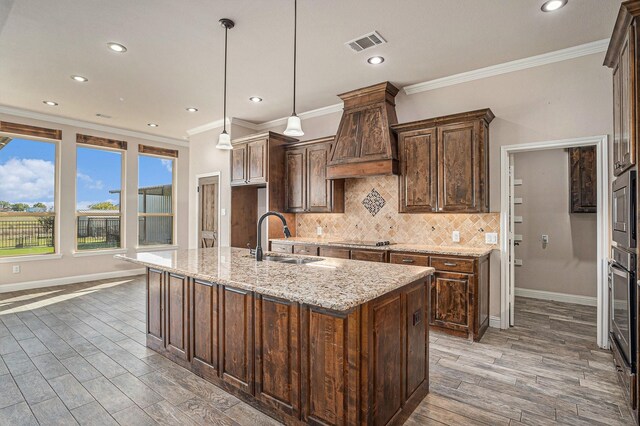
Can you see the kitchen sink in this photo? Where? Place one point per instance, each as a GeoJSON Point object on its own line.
{"type": "Point", "coordinates": [291, 260]}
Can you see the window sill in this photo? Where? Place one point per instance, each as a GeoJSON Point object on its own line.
{"type": "Point", "coordinates": [31, 258]}
{"type": "Point", "coordinates": [89, 253]}
{"type": "Point", "coordinates": [156, 248]}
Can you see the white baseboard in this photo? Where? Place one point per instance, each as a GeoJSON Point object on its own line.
{"type": "Point", "coordinates": [27, 285]}
{"type": "Point", "coordinates": [494, 321]}
{"type": "Point", "coordinates": [558, 297]}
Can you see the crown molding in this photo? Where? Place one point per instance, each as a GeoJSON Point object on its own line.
{"type": "Point", "coordinates": [87, 125]}
{"type": "Point", "coordinates": [507, 67]}
{"type": "Point", "coordinates": [244, 123]}
{"type": "Point", "coordinates": [207, 126]}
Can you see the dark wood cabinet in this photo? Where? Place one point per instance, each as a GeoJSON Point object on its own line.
{"type": "Point", "coordinates": [450, 301]}
{"type": "Point", "coordinates": [257, 161]}
{"type": "Point", "coordinates": [622, 57]}
{"type": "Point", "coordinates": [339, 253]}
{"type": "Point", "coordinates": [298, 363]}
{"type": "Point", "coordinates": [305, 249]}
{"type": "Point", "coordinates": [307, 186]}
{"type": "Point", "coordinates": [444, 163]}
{"type": "Point", "coordinates": [583, 186]}
{"type": "Point", "coordinates": [369, 255]}
{"type": "Point", "coordinates": [155, 309]}
{"type": "Point", "coordinates": [239, 165]}
{"type": "Point", "coordinates": [176, 318]}
{"type": "Point", "coordinates": [251, 158]}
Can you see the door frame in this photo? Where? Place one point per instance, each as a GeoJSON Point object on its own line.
{"type": "Point", "coordinates": [197, 228]}
{"type": "Point", "coordinates": [603, 212]}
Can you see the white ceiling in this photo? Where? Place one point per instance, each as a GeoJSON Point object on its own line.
{"type": "Point", "coordinates": [176, 49]}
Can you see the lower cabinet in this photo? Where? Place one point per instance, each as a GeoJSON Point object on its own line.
{"type": "Point", "coordinates": [451, 299]}
{"type": "Point", "coordinates": [295, 362]}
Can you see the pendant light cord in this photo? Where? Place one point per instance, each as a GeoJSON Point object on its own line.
{"type": "Point", "coordinates": [295, 37]}
{"type": "Point", "coordinates": [224, 108]}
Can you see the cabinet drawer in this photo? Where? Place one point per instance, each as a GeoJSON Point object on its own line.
{"type": "Point", "coordinates": [409, 259]}
{"type": "Point", "coordinates": [452, 264]}
{"type": "Point", "coordinates": [340, 253]}
{"type": "Point", "coordinates": [305, 249]}
{"type": "Point", "coordinates": [368, 255]}
{"type": "Point", "coordinates": [281, 247]}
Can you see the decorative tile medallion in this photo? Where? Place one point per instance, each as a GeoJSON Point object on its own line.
{"type": "Point", "coordinates": [373, 202]}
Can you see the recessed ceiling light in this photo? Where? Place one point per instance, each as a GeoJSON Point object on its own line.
{"type": "Point", "coordinates": [255, 99]}
{"type": "Point", "coordinates": [79, 78]}
{"type": "Point", "coordinates": [50, 103]}
{"type": "Point", "coordinates": [551, 5]}
{"type": "Point", "coordinates": [116, 47]}
{"type": "Point", "coordinates": [192, 109]}
{"type": "Point", "coordinates": [152, 125]}
{"type": "Point", "coordinates": [375, 60]}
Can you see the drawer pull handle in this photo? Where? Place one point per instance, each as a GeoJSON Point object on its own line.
{"type": "Point", "coordinates": [450, 264]}
{"type": "Point", "coordinates": [408, 260]}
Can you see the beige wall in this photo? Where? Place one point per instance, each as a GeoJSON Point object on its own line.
{"type": "Point", "coordinates": [568, 263]}
{"type": "Point", "coordinates": [68, 265]}
{"type": "Point", "coordinates": [563, 100]}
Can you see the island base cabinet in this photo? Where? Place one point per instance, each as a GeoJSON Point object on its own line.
{"type": "Point", "coordinates": [297, 363]}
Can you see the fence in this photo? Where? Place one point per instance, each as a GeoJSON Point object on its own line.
{"type": "Point", "coordinates": [27, 233]}
{"type": "Point", "coordinates": [98, 232]}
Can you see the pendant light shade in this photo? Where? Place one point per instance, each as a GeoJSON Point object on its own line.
{"type": "Point", "coordinates": [294, 126]}
{"type": "Point", "coordinates": [224, 140]}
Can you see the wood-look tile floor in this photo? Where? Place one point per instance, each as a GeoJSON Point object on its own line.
{"type": "Point", "coordinates": [76, 354]}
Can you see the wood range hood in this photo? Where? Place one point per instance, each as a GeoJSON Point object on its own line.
{"type": "Point", "coordinates": [364, 144]}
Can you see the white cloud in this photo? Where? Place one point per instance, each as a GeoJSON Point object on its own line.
{"type": "Point", "coordinates": [89, 183]}
{"type": "Point", "coordinates": [27, 180]}
{"type": "Point", "coordinates": [168, 164]}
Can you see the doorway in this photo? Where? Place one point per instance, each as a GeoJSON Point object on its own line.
{"type": "Point", "coordinates": [208, 206]}
{"type": "Point", "coordinates": [509, 238]}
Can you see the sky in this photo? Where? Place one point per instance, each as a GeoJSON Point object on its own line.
{"type": "Point", "coordinates": [27, 173]}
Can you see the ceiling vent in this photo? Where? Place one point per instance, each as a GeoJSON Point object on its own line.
{"type": "Point", "coordinates": [366, 41]}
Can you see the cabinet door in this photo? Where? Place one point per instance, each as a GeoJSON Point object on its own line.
{"type": "Point", "coordinates": [239, 165]}
{"type": "Point", "coordinates": [295, 176]}
{"type": "Point", "coordinates": [257, 161]}
{"type": "Point", "coordinates": [236, 350]}
{"type": "Point", "coordinates": [319, 199]}
{"type": "Point", "coordinates": [616, 120]}
{"type": "Point", "coordinates": [627, 124]}
{"type": "Point", "coordinates": [340, 253]}
{"type": "Point", "coordinates": [204, 328]}
{"type": "Point", "coordinates": [369, 255]}
{"type": "Point", "coordinates": [177, 316]}
{"type": "Point", "coordinates": [418, 169]}
{"type": "Point", "coordinates": [155, 306]}
{"type": "Point", "coordinates": [459, 165]}
{"type": "Point", "coordinates": [450, 293]}
{"type": "Point", "coordinates": [277, 354]}
{"type": "Point", "coordinates": [582, 180]}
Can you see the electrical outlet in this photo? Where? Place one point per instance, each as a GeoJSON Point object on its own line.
{"type": "Point", "coordinates": [223, 212]}
{"type": "Point", "coordinates": [455, 236]}
{"type": "Point", "coordinates": [545, 239]}
{"type": "Point", "coordinates": [491, 238]}
{"type": "Point", "coordinates": [16, 269]}
{"type": "Point", "coordinates": [319, 231]}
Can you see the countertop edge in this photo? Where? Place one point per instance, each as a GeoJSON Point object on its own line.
{"type": "Point", "coordinates": [337, 307]}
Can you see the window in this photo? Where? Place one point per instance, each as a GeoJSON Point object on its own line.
{"type": "Point", "coordinates": [27, 197]}
{"type": "Point", "coordinates": [155, 200]}
{"type": "Point", "coordinates": [98, 198]}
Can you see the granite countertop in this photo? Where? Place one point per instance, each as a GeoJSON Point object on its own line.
{"type": "Point", "coordinates": [336, 284]}
{"type": "Point", "coordinates": [456, 250]}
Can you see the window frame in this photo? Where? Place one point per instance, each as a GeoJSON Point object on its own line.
{"type": "Point", "coordinates": [174, 197]}
{"type": "Point", "coordinates": [56, 254]}
{"type": "Point", "coordinates": [121, 214]}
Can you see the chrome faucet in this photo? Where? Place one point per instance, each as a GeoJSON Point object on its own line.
{"type": "Point", "coordinates": [287, 233]}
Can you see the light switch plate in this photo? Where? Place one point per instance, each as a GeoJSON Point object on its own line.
{"type": "Point", "coordinates": [223, 212]}
{"type": "Point", "coordinates": [319, 231]}
{"type": "Point", "coordinates": [491, 238]}
{"type": "Point", "coordinates": [455, 236]}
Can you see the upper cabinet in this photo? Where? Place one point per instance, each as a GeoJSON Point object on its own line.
{"type": "Point", "coordinates": [250, 157]}
{"type": "Point", "coordinates": [444, 163]}
{"type": "Point", "coordinates": [621, 57]}
{"type": "Point", "coordinates": [583, 180]}
{"type": "Point", "coordinates": [307, 188]}
{"type": "Point", "coordinates": [364, 145]}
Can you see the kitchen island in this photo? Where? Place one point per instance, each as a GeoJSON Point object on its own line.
{"type": "Point", "coordinates": [305, 340]}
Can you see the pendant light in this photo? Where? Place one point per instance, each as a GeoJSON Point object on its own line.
{"type": "Point", "coordinates": [294, 126]}
{"type": "Point", "coordinates": [224, 140]}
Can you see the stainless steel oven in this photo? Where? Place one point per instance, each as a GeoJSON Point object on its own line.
{"type": "Point", "coordinates": [623, 211]}
{"type": "Point", "coordinates": [623, 295]}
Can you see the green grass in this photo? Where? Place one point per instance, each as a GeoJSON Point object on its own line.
{"type": "Point", "coordinates": [26, 251]}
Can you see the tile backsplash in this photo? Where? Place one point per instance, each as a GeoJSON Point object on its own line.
{"type": "Point", "coordinates": [362, 198]}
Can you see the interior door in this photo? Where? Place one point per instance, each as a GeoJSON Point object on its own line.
{"type": "Point", "coordinates": [208, 214]}
{"type": "Point", "coordinates": [512, 244]}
